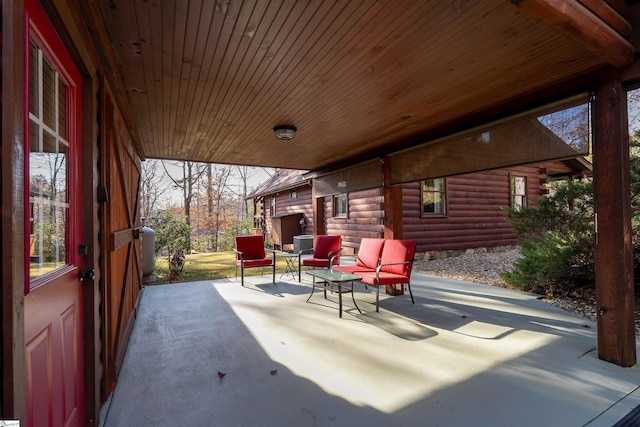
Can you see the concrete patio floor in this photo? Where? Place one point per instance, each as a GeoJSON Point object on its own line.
{"type": "Point", "coordinates": [463, 355]}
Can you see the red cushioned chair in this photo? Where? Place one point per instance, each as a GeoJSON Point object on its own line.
{"type": "Point", "coordinates": [326, 252]}
{"type": "Point", "coordinates": [250, 252]}
{"type": "Point", "coordinates": [367, 259]}
{"type": "Point", "coordinates": [395, 266]}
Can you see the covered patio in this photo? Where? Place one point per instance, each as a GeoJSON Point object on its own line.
{"type": "Point", "coordinates": [465, 354]}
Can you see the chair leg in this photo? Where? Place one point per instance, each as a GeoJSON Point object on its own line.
{"type": "Point", "coordinates": [242, 275]}
{"type": "Point", "coordinates": [274, 273]}
{"type": "Point", "coordinates": [410, 293]}
{"type": "Point", "coordinates": [377, 298]}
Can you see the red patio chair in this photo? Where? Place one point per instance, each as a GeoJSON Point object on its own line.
{"type": "Point", "coordinates": [250, 252]}
{"type": "Point", "coordinates": [394, 269]}
{"type": "Point", "coordinates": [326, 252]}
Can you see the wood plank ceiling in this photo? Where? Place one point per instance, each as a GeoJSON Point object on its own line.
{"type": "Point", "coordinates": [208, 80]}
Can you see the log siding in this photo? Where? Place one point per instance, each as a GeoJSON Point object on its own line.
{"type": "Point", "coordinates": [474, 216]}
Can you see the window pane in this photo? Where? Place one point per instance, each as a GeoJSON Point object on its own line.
{"type": "Point", "coordinates": [48, 95]}
{"type": "Point", "coordinates": [62, 109]}
{"type": "Point", "coordinates": [518, 192]}
{"type": "Point", "coordinates": [34, 92]}
{"type": "Point", "coordinates": [48, 240]}
{"type": "Point", "coordinates": [340, 205]}
{"type": "Point", "coordinates": [48, 156]}
{"type": "Point", "coordinates": [433, 196]}
{"type": "Point", "coordinates": [34, 138]}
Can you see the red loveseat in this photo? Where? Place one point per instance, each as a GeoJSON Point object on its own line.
{"type": "Point", "coordinates": [393, 265]}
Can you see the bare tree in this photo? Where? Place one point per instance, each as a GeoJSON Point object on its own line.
{"type": "Point", "coordinates": [217, 177]}
{"type": "Point", "coordinates": [152, 187]}
{"type": "Point", "coordinates": [186, 182]}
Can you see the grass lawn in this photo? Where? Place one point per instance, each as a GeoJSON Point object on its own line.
{"type": "Point", "coordinates": [211, 266]}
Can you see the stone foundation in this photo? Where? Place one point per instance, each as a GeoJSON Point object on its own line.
{"type": "Point", "coordinates": [431, 255]}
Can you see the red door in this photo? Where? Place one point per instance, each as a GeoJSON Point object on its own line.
{"type": "Point", "coordinates": [53, 300]}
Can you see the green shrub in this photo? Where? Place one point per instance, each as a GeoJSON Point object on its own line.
{"type": "Point", "coordinates": [172, 239]}
{"type": "Point", "coordinates": [555, 239]}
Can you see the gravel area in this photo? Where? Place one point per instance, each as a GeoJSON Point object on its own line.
{"type": "Point", "coordinates": [486, 267]}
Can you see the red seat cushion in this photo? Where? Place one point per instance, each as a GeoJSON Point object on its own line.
{"type": "Point", "coordinates": [317, 262]}
{"type": "Point", "coordinates": [353, 269]}
{"type": "Point", "coordinates": [255, 262]}
{"type": "Point", "coordinates": [385, 278]}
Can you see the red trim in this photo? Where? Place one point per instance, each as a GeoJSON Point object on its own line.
{"type": "Point", "coordinates": [42, 32]}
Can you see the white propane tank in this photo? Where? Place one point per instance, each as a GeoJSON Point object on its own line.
{"type": "Point", "coordinates": [148, 249]}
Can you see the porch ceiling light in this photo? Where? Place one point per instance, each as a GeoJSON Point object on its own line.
{"type": "Point", "coordinates": [285, 132]}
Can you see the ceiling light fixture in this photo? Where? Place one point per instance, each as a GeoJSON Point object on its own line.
{"type": "Point", "coordinates": [285, 132]}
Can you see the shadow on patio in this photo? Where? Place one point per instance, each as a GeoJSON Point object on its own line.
{"type": "Point", "coordinates": [463, 355]}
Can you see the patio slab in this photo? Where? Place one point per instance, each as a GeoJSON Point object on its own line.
{"type": "Point", "coordinates": [464, 355]}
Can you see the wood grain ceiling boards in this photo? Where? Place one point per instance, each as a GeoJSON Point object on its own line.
{"type": "Point", "coordinates": [208, 80]}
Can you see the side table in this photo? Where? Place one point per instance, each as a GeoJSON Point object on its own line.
{"type": "Point", "coordinates": [290, 266]}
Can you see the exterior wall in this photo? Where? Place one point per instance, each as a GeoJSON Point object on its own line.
{"type": "Point", "coordinates": [474, 220]}
{"type": "Point", "coordinates": [365, 213]}
{"type": "Point", "coordinates": [474, 216]}
{"type": "Point", "coordinates": [285, 205]}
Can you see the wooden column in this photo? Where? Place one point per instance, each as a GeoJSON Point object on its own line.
{"type": "Point", "coordinates": [613, 246]}
{"type": "Point", "coordinates": [392, 195]}
{"type": "Point", "coordinates": [12, 283]}
{"type": "Point", "coordinates": [318, 212]}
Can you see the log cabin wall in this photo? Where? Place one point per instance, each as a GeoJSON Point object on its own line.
{"type": "Point", "coordinates": [365, 213]}
{"type": "Point", "coordinates": [474, 218]}
{"type": "Point", "coordinates": [286, 203]}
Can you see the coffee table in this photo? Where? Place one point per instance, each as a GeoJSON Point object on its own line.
{"type": "Point", "coordinates": [334, 281]}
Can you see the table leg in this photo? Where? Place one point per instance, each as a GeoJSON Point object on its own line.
{"type": "Point", "coordinates": [354, 299]}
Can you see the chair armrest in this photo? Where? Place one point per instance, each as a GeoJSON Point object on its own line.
{"type": "Point", "coordinates": [304, 252]}
{"type": "Point", "coordinates": [392, 263]}
{"type": "Point", "coordinates": [332, 255]}
{"type": "Point", "coordinates": [239, 253]}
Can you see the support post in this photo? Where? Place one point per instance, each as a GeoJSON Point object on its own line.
{"type": "Point", "coordinates": [318, 212]}
{"type": "Point", "coordinates": [613, 245]}
{"type": "Point", "coordinates": [392, 195]}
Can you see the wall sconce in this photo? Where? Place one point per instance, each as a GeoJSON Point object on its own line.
{"type": "Point", "coordinates": [285, 132]}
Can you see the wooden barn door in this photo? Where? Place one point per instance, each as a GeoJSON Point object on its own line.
{"type": "Point", "coordinates": [122, 282]}
{"type": "Point", "coordinates": [53, 303]}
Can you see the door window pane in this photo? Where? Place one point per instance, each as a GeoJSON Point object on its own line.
{"type": "Point", "coordinates": [48, 177]}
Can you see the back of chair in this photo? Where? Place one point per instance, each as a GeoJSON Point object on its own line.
{"type": "Point", "coordinates": [369, 253]}
{"type": "Point", "coordinates": [396, 252]}
{"type": "Point", "coordinates": [252, 247]}
{"type": "Point", "coordinates": [325, 244]}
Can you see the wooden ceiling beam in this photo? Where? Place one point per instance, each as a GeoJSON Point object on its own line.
{"type": "Point", "coordinates": [574, 19]}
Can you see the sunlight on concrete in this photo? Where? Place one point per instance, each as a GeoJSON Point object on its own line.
{"type": "Point", "coordinates": [388, 367]}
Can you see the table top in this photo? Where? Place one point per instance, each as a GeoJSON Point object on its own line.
{"type": "Point", "coordinates": [288, 255]}
{"type": "Point", "coordinates": [333, 275]}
